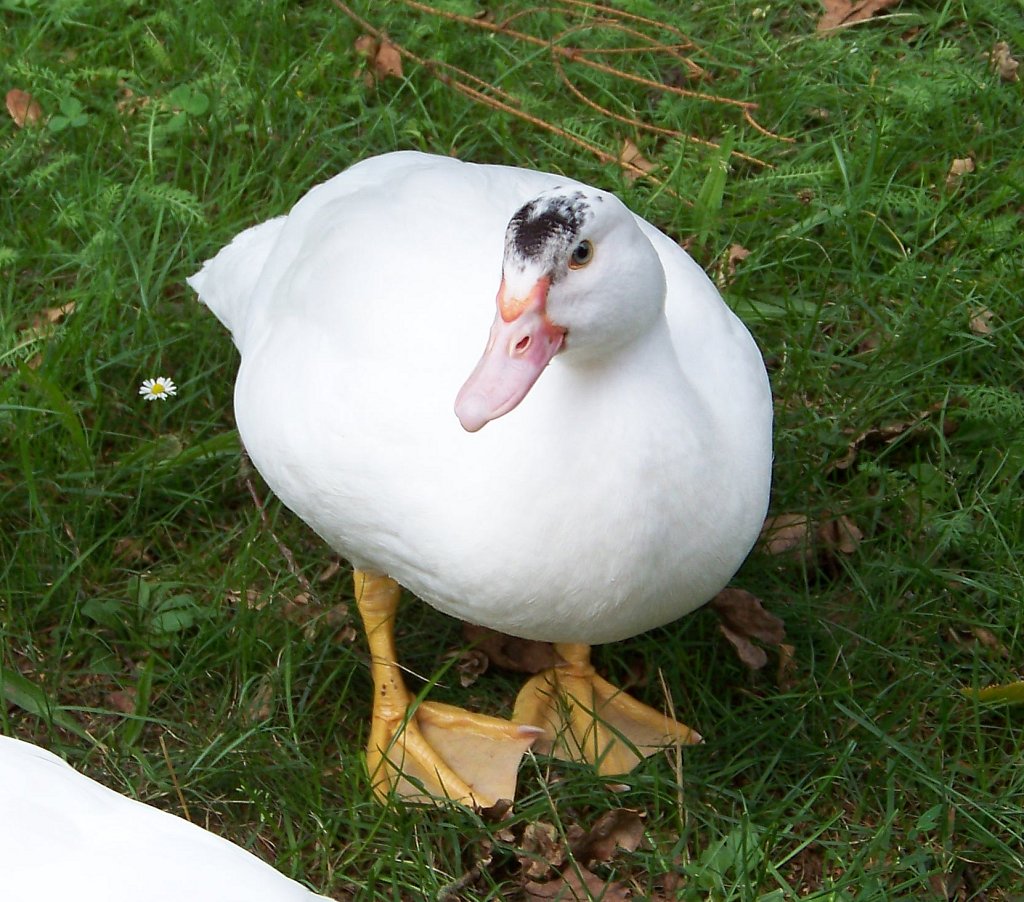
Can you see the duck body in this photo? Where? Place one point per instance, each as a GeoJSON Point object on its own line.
{"type": "Point", "coordinates": [64, 836]}
{"type": "Point", "coordinates": [623, 492]}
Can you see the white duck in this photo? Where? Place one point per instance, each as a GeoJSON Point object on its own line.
{"type": "Point", "coordinates": [64, 836]}
{"type": "Point", "coordinates": [622, 493]}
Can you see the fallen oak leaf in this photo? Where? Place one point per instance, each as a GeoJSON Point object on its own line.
{"type": "Point", "coordinates": [23, 108]}
{"type": "Point", "coordinates": [843, 13]}
{"type": "Point", "coordinates": [742, 618]}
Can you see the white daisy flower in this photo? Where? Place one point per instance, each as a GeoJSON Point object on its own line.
{"type": "Point", "coordinates": [160, 388]}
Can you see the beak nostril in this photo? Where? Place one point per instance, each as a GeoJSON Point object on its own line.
{"type": "Point", "coordinates": [521, 345]}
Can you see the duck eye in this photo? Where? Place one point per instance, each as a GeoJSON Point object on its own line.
{"type": "Point", "coordinates": [581, 255]}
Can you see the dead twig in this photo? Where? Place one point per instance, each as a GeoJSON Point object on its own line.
{"type": "Point", "coordinates": [669, 42]}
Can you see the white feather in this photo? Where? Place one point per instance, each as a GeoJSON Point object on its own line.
{"type": "Point", "coordinates": [623, 492]}
{"type": "Point", "coordinates": [66, 837]}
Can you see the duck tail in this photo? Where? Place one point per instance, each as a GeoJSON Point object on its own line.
{"type": "Point", "coordinates": [226, 282]}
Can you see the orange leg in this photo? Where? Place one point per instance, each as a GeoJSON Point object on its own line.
{"type": "Point", "coordinates": [586, 718]}
{"type": "Point", "coordinates": [430, 751]}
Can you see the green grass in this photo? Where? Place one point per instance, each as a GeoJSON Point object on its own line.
{"type": "Point", "coordinates": [146, 633]}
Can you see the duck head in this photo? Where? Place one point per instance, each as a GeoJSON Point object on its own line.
{"type": "Point", "coordinates": [579, 280]}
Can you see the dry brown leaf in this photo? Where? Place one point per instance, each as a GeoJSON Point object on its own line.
{"type": "Point", "coordinates": [540, 851]}
{"type": "Point", "coordinates": [957, 170]}
{"type": "Point", "coordinates": [51, 316]}
{"type": "Point", "coordinates": [388, 61]}
{"type": "Point", "coordinates": [346, 635]}
{"type": "Point", "coordinates": [667, 888]}
{"type": "Point", "coordinates": [471, 665]}
{"type": "Point", "coordinates": [576, 884]}
{"type": "Point", "coordinates": [510, 653]}
{"type": "Point", "coordinates": [129, 102]}
{"type": "Point", "coordinates": [753, 656]}
{"type": "Point", "coordinates": [877, 436]}
{"type": "Point", "coordinates": [737, 254]}
{"type": "Point", "coordinates": [330, 571]}
{"type": "Point", "coordinates": [366, 45]}
{"type": "Point", "coordinates": [56, 314]}
{"type": "Point", "coordinates": [742, 618]}
{"type": "Point", "coordinates": [251, 599]}
{"type": "Point", "coordinates": [980, 321]}
{"type": "Point", "coordinates": [338, 615]}
{"type": "Point", "coordinates": [727, 265]}
{"type": "Point", "coordinates": [785, 676]}
{"type": "Point", "coordinates": [988, 639]}
{"type": "Point", "coordinates": [23, 108]}
{"type": "Point", "coordinates": [132, 550]}
{"type": "Point", "coordinates": [260, 705]}
{"type": "Point", "coordinates": [805, 870]}
{"type": "Point", "coordinates": [1003, 62]}
{"type": "Point", "coordinates": [614, 830]}
{"type": "Point", "coordinates": [298, 610]}
{"type": "Point", "coordinates": [632, 160]}
{"type": "Point", "coordinates": [967, 636]}
{"type": "Point", "coordinates": [123, 701]}
{"type": "Point", "coordinates": [787, 534]}
{"type": "Point", "coordinates": [842, 13]}
{"type": "Point", "coordinates": [840, 534]}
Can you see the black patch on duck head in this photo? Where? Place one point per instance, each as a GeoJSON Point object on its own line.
{"type": "Point", "coordinates": [547, 228]}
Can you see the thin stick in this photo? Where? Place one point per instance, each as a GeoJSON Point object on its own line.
{"type": "Point", "coordinates": [603, 155]}
{"type": "Point", "coordinates": [646, 126]}
{"type": "Point", "coordinates": [481, 91]}
{"type": "Point", "coordinates": [174, 780]}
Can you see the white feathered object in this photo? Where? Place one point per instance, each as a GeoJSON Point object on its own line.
{"type": "Point", "coordinates": [66, 837]}
{"type": "Point", "coordinates": [624, 473]}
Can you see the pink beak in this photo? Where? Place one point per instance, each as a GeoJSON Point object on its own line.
{"type": "Point", "coordinates": [522, 342]}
